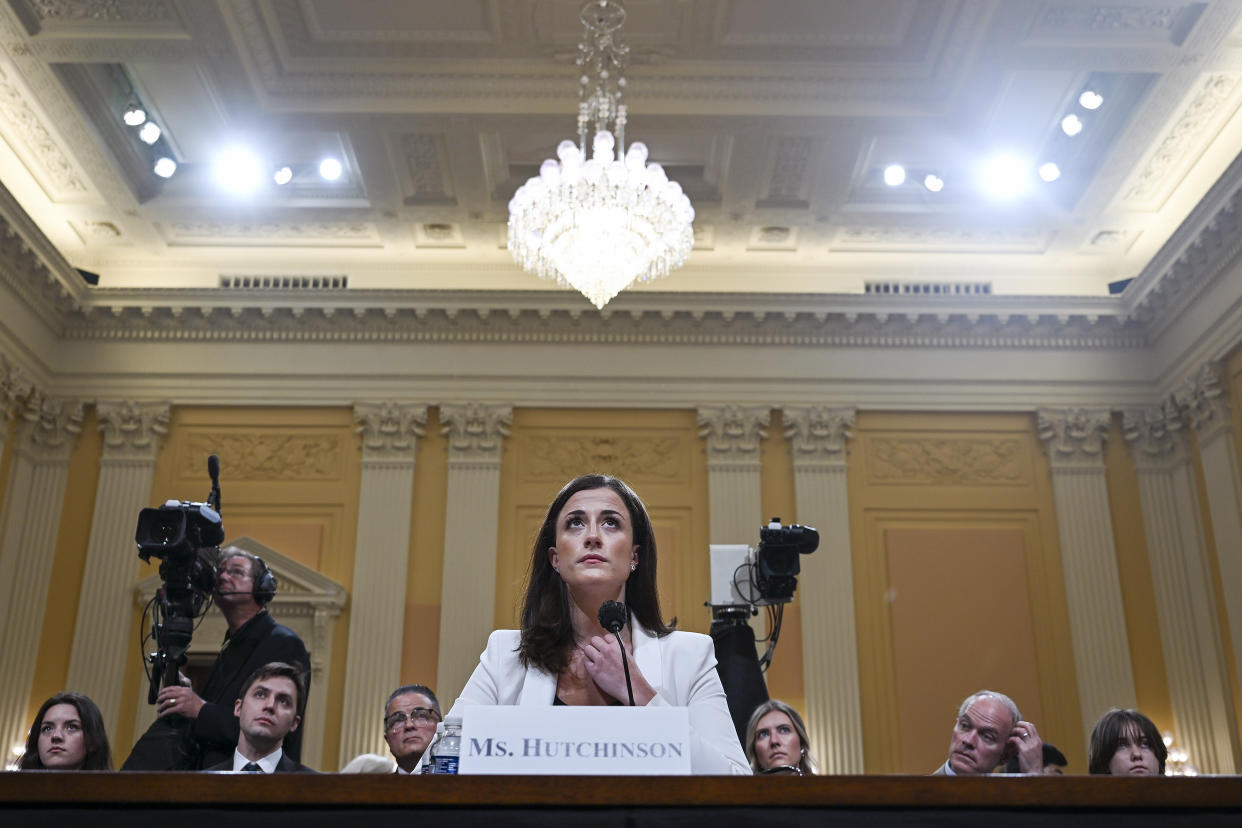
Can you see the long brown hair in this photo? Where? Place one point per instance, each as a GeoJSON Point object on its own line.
{"type": "Point", "coordinates": [1107, 733]}
{"type": "Point", "coordinates": [547, 632]}
{"type": "Point", "coordinates": [98, 753]}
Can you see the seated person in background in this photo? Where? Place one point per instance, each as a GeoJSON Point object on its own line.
{"type": "Point", "coordinates": [67, 734]}
{"type": "Point", "coordinates": [1054, 762]}
{"type": "Point", "coordinates": [596, 545]}
{"type": "Point", "coordinates": [1126, 743]}
{"type": "Point", "coordinates": [989, 729]}
{"type": "Point", "coordinates": [776, 741]}
{"type": "Point", "coordinates": [270, 708]}
{"type": "Point", "coordinates": [410, 719]}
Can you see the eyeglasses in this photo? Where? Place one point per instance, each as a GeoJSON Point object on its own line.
{"type": "Point", "coordinates": [420, 715]}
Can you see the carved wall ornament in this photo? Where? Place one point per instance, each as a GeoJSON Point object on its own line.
{"type": "Point", "coordinates": [262, 456]}
{"type": "Point", "coordinates": [102, 11]}
{"type": "Point", "coordinates": [14, 388]}
{"type": "Point", "coordinates": [1204, 400]}
{"type": "Point", "coordinates": [733, 432]}
{"type": "Point", "coordinates": [1156, 435]}
{"type": "Point", "coordinates": [1114, 17]}
{"type": "Point", "coordinates": [475, 431]}
{"type": "Point", "coordinates": [1074, 435]}
{"type": "Point", "coordinates": [25, 127]}
{"type": "Point", "coordinates": [965, 461]}
{"type": "Point", "coordinates": [390, 429]}
{"type": "Point", "coordinates": [562, 458]}
{"type": "Point", "coordinates": [818, 432]}
{"type": "Point", "coordinates": [49, 427]}
{"type": "Point", "coordinates": [1174, 151]}
{"type": "Point", "coordinates": [132, 430]}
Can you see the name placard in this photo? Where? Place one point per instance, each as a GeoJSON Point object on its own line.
{"type": "Point", "coordinates": [594, 741]}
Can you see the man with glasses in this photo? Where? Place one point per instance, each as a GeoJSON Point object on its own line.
{"type": "Point", "coordinates": [410, 719]}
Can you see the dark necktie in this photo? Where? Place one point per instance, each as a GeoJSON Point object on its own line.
{"type": "Point", "coordinates": [251, 767]}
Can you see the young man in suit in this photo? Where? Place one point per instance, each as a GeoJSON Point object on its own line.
{"type": "Point", "coordinates": [270, 708]}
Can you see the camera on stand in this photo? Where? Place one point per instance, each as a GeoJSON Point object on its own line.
{"type": "Point", "coordinates": [184, 536]}
{"type": "Point", "coordinates": [744, 579]}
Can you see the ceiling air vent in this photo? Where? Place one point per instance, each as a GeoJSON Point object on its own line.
{"type": "Point", "coordinates": [285, 282]}
{"type": "Point", "coordinates": [929, 288]}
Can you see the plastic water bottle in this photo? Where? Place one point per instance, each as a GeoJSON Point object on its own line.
{"type": "Point", "coordinates": [429, 761]}
{"type": "Point", "coordinates": [448, 748]}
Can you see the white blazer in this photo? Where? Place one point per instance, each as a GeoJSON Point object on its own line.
{"type": "Point", "coordinates": [681, 668]}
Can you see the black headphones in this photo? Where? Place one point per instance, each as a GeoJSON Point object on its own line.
{"type": "Point", "coordinates": [264, 582]}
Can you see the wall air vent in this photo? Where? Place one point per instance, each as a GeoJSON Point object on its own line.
{"type": "Point", "coordinates": [929, 288]}
{"type": "Point", "coordinates": [284, 282]}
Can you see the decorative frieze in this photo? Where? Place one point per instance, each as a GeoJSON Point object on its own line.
{"type": "Point", "coordinates": [475, 431]}
{"type": "Point", "coordinates": [389, 429]}
{"type": "Point", "coordinates": [818, 433]}
{"type": "Point", "coordinates": [1074, 436]}
{"type": "Point", "coordinates": [258, 456]}
{"type": "Point", "coordinates": [132, 430]}
{"type": "Point", "coordinates": [957, 461]}
{"type": "Point", "coordinates": [733, 432]}
{"type": "Point", "coordinates": [566, 456]}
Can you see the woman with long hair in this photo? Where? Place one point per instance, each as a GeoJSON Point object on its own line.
{"type": "Point", "coordinates": [596, 545]}
{"type": "Point", "coordinates": [67, 734]}
{"type": "Point", "coordinates": [777, 742]}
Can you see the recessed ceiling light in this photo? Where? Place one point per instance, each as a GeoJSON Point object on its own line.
{"type": "Point", "coordinates": [150, 132]}
{"type": "Point", "coordinates": [164, 167]}
{"type": "Point", "coordinates": [330, 169]}
{"type": "Point", "coordinates": [237, 170]}
{"type": "Point", "coordinates": [894, 175]}
{"type": "Point", "coordinates": [933, 182]}
{"type": "Point", "coordinates": [283, 175]}
{"type": "Point", "coordinates": [1090, 99]}
{"type": "Point", "coordinates": [134, 115]}
{"type": "Point", "coordinates": [1071, 125]}
{"type": "Point", "coordinates": [1049, 172]}
{"type": "Point", "coordinates": [1005, 176]}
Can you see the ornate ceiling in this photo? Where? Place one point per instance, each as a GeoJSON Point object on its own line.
{"type": "Point", "coordinates": [777, 116]}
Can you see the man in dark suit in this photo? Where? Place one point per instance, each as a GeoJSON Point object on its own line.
{"type": "Point", "coordinates": [410, 719]}
{"type": "Point", "coordinates": [269, 709]}
{"type": "Point", "coordinates": [989, 729]}
{"type": "Point", "coordinates": [195, 732]}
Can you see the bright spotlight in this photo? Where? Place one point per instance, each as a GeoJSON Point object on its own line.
{"type": "Point", "coordinates": [1049, 172]}
{"type": "Point", "coordinates": [933, 182]}
{"type": "Point", "coordinates": [134, 115]}
{"type": "Point", "coordinates": [894, 175]}
{"type": "Point", "coordinates": [283, 175]}
{"type": "Point", "coordinates": [329, 169]}
{"type": "Point", "coordinates": [164, 167]}
{"type": "Point", "coordinates": [237, 170]}
{"type": "Point", "coordinates": [1071, 125]}
{"type": "Point", "coordinates": [150, 132]}
{"type": "Point", "coordinates": [1005, 176]}
{"type": "Point", "coordinates": [1090, 99]}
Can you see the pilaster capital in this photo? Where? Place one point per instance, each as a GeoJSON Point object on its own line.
{"type": "Point", "coordinates": [475, 431]}
{"type": "Point", "coordinates": [818, 434]}
{"type": "Point", "coordinates": [1204, 399]}
{"type": "Point", "coordinates": [49, 428]}
{"type": "Point", "coordinates": [733, 432]}
{"type": "Point", "coordinates": [14, 389]}
{"type": "Point", "coordinates": [132, 430]}
{"type": "Point", "coordinates": [1074, 436]}
{"type": "Point", "coordinates": [1156, 435]}
{"type": "Point", "coordinates": [389, 429]}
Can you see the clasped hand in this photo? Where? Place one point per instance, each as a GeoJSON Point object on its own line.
{"type": "Point", "coordinates": [178, 700]}
{"type": "Point", "coordinates": [603, 664]}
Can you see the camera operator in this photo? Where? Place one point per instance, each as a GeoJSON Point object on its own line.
{"type": "Point", "coordinates": [195, 732]}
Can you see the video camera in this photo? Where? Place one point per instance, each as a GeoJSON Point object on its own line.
{"type": "Point", "coordinates": [184, 536]}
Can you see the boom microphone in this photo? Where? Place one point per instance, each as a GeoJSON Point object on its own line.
{"type": "Point", "coordinates": [213, 469]}
{"type": "Point", "coordinates": [612, 616]}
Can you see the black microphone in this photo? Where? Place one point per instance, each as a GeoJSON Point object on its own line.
{"type": "Point", "coordinates": [612, 617]}
{"type": "Point", "coordinates": [213, 469]}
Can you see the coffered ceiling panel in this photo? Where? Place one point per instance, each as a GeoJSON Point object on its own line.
{"type": "Point", "coordinates": [779, 118]}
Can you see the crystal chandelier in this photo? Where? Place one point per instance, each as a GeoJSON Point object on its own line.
{"type": "Point", "coordinates": [600, 224]}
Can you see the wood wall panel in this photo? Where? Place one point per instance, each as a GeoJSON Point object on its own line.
{"type": "Point", "coordinates": [953, 472]}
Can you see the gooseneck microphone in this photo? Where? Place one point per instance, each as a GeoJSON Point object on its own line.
{"type": "Point", "coordinates": [612, 617]}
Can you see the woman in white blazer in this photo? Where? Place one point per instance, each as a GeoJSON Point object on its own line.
{"type": "Point", "coordinates": [596, 545]}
